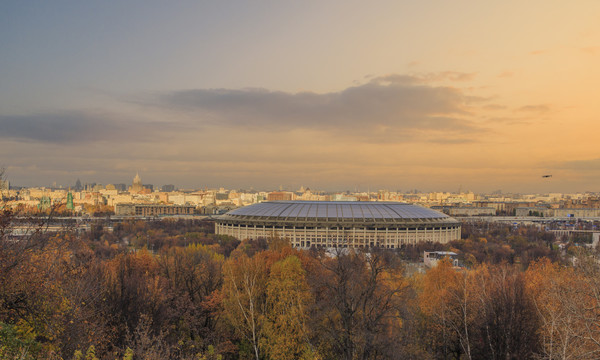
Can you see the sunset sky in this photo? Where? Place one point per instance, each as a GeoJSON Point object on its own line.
{"type": "Point", "coordinates": [333, 95]}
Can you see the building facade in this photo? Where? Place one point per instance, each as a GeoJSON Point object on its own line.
{"type": "Point", "coordinates": [340, 224]}
{"type": "Point", "coordinates": [145, 210]}
{"type": "Point", "coordinates": [431, 258]}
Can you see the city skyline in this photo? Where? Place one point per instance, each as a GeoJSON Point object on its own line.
{"type": "Point", "coordinates": [126, 186]}
{"type": "Point", "coordinates": [331, 95]}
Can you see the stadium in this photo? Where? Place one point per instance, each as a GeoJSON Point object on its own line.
{"type": "Point", "coordinates": [340, 224]}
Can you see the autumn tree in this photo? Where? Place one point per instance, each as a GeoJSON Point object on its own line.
{"type": "Point", "coordinates": [244, 297]}
{"type": "Point", "coordinates": [194, 279]}
{"type": "Point", "coordinates": [561, 333]}
{"type": "Point", "coordinates": [358, 302]}
{"type": "Point", "coordinates": [285, 322]}
{"type": "Point", "coordinates": [486, 312]}
{"type": "Point", "coordinates": [441, 302]}
{"type": "Point", "coordinates": [148, 343]}
{"type": "Point", "coordinates": [584, 301]}
{"type": "Point", "coordinates": [510, 323]}
{"type": "Point", "coordinates": [132, 287]}
{"type": "Point", "coordinates": [568, 304]}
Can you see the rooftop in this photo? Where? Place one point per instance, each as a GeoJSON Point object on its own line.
{"type": "Point", "coordinates": [331, 210]}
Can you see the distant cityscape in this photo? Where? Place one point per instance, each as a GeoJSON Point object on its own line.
{"type": "Point", "coordinates": [139, 199]}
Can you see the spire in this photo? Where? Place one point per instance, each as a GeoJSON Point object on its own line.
{"type": "Point", "coordinates": [137, 186]}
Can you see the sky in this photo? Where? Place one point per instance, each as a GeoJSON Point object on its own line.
{"type": "Point", "coordinates": [331, 95]}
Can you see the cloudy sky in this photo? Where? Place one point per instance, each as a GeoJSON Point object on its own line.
{"type": "Point", "coordinates": [333, 95]}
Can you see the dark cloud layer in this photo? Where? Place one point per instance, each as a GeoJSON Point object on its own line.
{"type": "Point", "coordinates": [73, 127]}
{"type": "Point", "coordinates": [390, 103]}
{"type": "Point", "coordinates": [387, 109]}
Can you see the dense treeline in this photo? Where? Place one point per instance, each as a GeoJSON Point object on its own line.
{"type": "Point", "coordinates": [174, 289]}
{"type": "Point", "coordinates": [494, 243]}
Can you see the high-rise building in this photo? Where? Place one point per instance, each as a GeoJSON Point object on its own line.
{"type": "Point", "coordinates": [121, 187]}
{"type": "Point", "coordinates": [137, 186]}
{"type": "Point", "coordinates": [70, 205]}
{"type": "Point", "coordinates": [167, 188]}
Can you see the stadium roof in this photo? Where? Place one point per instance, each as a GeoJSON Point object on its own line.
{"type": "Point", "coordinates": [336, 211]}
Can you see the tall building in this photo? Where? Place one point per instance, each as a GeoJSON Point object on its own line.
{"type": "Point", "coordinates": [137, 186]}
{"type": "Point", "coordinates": [168, 188]}
{"type": "Point", "coordinates": [121, 187]}
{"type": "Point", "coordinates": [70, 205]}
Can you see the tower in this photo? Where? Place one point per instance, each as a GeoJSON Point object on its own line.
{"type": "Point", "coordinates": [70, 201]}
{"type": "Point", "coordinates": [137, 184]}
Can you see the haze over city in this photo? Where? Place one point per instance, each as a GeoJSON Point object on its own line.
{"type": "Point", "coordinates": [328, 94]}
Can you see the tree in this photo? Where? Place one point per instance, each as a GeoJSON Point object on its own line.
{"type": "Point", "coordinates": [358, 305]}
{"type": "Point", "coordinates": [568, 303]}
{"type": "Point", "coordinates": [288, 300]}
{"type": "Point", "coordinates": [132, 288]}
{"type": "Point", "coordinates": [194, 279]}
{"type": "Point", "coordinates": [17, 346]}
{"type": "Point", "coordinates": [509, 322]}
{"type": "Point", "coordinates": [244, 297]}
{"type": "Point", "coordinates": [486, 312]}
{"type": "Point", "coordinates": [148, 343]}
{"type": "Point", "coordinates": [439, 296]}
{"type": "Point", "coordinates": [560, 333]}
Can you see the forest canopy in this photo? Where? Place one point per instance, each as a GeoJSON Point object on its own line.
{"type": "Point", "coordinates": [174, 289]}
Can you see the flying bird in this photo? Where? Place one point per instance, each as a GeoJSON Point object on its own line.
{"type": "Point", "coordinates": [546, 176]}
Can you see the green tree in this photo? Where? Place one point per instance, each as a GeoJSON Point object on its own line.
{"type": "Point", "coordinates": [14, 345]}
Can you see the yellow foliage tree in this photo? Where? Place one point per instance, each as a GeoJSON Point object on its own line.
{"type": "Point", "coordinates": [244, 296]}
{"type": "Point", "coordinates": [288, 298]}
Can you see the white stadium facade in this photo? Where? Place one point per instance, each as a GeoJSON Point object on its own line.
{"type": "Point", "coordinates": [340, 224]}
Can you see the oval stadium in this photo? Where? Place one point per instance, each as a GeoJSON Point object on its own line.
{"type": "Point", "coordinates": [357, 224]}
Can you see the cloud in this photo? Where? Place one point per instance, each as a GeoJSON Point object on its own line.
{"type": "Point", "coordinates": [534, 108]}
{"type": "Point", "coordinates": [391, 108]}
{"type": "Point", "coordinates": [230, 137]}
{"type": "Point", "coordinates": [494, 107]}
{"type": "Point", "coordinates": [432, 77]}
{"type": "Point", "coordinates": [509, 120]}
{"type": "Point", "coordinates": [74, 127]}
{"type": "Point", "coordinates": [389, 103]}
{"type": "Point", "coordinates": [453, 76]}
{"type": "Point", "coordinates": [590, 165]}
